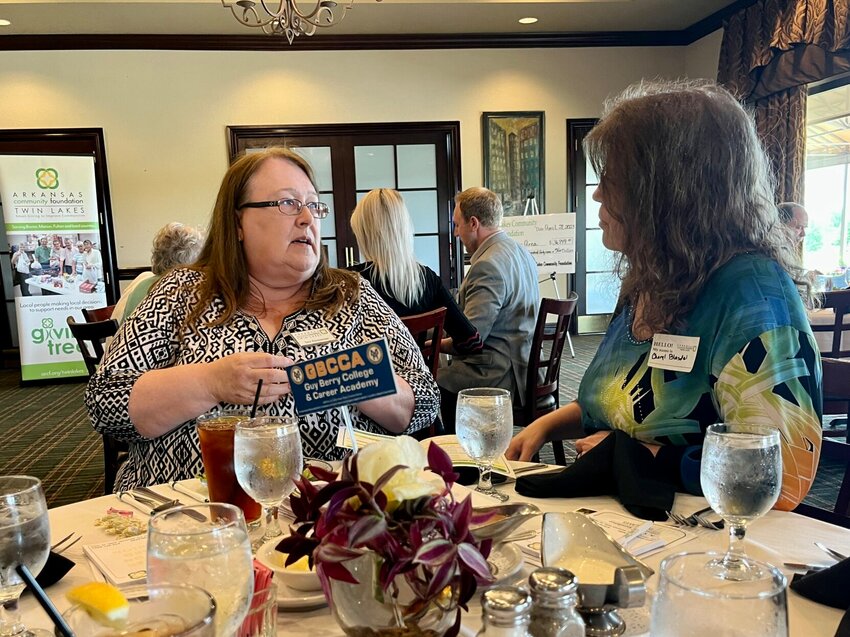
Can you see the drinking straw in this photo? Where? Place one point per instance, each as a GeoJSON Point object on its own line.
{"type": "Point", "coordinates": [256, 398]}
{"type": "Point", "coordinates": [44, 600]}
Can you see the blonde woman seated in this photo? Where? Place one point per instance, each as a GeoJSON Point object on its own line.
{"type": "Point", "coordinates": [384, 235]}
{"type": "Point", "coordinates": [173, 245]}
{"type": "Point", "coordinates": [704, 255]}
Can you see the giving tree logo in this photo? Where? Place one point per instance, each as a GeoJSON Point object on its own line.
{"type": "Point", "coordinates": [59, 340]}
{"type": "Point", "coordinates": [47, 178]}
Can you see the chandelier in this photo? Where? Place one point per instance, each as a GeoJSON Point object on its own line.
{"type": "Point", "coordinates": [287, 19]}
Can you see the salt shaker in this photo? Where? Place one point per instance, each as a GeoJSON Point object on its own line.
{"type": "Point", "coordinates": [555, 594]}
{"type": "Point", "coordinates": [505, 612]}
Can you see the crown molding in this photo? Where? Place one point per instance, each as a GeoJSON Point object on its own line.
{"type": "Point", "coordinates": [191, 42]}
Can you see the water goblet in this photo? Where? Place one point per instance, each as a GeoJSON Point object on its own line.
{"type": "Point", "coordinates": [24, 539]}
{"type": "Point", "coordinates": [484, 425]}
{"type": "Point", "coordinates": [267, 458]}
{"type": "Point", "coordinates": [741, 477]}
{"type": "Point", "coordinates": [205, 545]}
{"type": "Point", "coordinates": [692, 601]}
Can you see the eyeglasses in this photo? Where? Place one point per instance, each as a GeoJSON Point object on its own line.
{"type": "Point", "coordinates": [292, 207]}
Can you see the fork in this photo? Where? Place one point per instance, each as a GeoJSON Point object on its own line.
{"type": "Point", "coordinates": [62, 543]}
{"type": "Point", "coordinates": [689, 520]}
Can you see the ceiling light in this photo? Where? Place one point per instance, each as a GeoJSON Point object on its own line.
{"type": "Point", "coordinates": [4, 22]}
{"type": "Point", "coordinates": [527, 20]}
{"type": "Point", "coordinates": [287, 19]}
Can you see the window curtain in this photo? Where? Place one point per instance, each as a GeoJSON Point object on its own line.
{"type": "Point", "coordinates": [770, 52]}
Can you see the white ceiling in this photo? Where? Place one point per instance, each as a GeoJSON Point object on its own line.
{"type": "Point", "coordinates": [365, 17]}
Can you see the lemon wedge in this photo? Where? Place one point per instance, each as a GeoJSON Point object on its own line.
{"type": "Point", "coordinates": [302, 565]}
{"type": "Point", "coordinates": [103, 602]}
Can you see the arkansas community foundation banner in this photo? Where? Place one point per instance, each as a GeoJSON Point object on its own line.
{"type": "Point", "coordinates": [52, 222]}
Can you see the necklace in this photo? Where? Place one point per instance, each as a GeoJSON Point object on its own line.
{"type": "Point", "coordinates": [630, 317]}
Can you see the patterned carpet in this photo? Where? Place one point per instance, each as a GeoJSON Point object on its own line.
{"type": "Point", "coordinates": [47, 434]}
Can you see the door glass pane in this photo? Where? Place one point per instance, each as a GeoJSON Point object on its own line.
{"type": "Point", "coordinates": [330, 246]}
{"type": "Point", "coordinates": [422, 205]}
{"type": "Point", "coordinates": [427, 250]}
{"type": "Point", "coordinates": [417, 166]}
{"type": "Point", "coordinates": [591, 215]}
{"type": "Point", "coordinates": [374, 167]}
{"type": "Point", "coordinates": [328, 224]}
{"type": "Point", "coordinates": [603, 288]}
{"type": "Point", "coordinates": [319, 158]}
{"type": "Point", "coordinates": [590, 176]}
{"type": "Point", "coordinates": [598, 257]}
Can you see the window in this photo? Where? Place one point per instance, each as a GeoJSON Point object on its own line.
{"type": "Point", "coordinates": [827, 244]}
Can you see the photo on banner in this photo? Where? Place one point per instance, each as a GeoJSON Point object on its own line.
{"type": "Point", "coordinates": [51, 216]}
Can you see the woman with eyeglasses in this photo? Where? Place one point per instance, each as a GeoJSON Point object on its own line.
{"type": "Point", "coordinates": [207, 334]}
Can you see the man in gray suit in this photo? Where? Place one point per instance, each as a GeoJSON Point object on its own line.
{"type": "Point", "coordinates": [499, 295]}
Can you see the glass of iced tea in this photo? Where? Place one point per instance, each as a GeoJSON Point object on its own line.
{"type": "Point", "coordinates": [216, 432]}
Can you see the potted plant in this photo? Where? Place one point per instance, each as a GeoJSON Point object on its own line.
{"type": "Point", "coordinates": [390, 543]}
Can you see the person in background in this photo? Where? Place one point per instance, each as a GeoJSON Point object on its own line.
{"type": "Point", "coordinates": [21, 263]}
{"type": "Point", "coordinates": [701, 254]}
{"type": "Point", "coordinates": [79, 258]}
{"type": "Point", "coordinates": [58, 255]}
{"type": "Point", "coordinates": [174, 245]}
{"type": "Point", "coordinates": [201, 340]}
{"type": "Point", "coordinates": [68, 266]}
{"type": "Point", "coordinates": [499, 295]}
{"type": "Point", "coordinates": [796, 218]}
{"type": "Point", "coordinates": [384, 233]}
{"type": "Point", "coordinates": [92, 262]}
{"type": "Point", "coordinates": [42, 254]}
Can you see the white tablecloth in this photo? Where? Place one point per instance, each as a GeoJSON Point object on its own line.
{"type": "Point", "coordinates": [778, 537]}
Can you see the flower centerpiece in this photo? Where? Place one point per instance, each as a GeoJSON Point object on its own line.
{"type": "Point", "coordinates": [391, 545]}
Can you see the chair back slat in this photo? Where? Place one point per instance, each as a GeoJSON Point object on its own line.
{"type": "Point", "coordinates": [839, 302]}
{"type": "Point", "coordinates": [427, 328]}
{"type": "Point", "coordinates": [98, 314]}
{"type": "Point", "coordinates": [90, 338]}
{"type": "Point", "coordinates": [542, 384]}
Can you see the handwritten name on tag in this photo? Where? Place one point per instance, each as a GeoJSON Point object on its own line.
{"type": "Point", "coordinates": [669, 351]}
{"type": "Point", "coordinates": [343, 378]}
{"type": "Point", "coordinates": [311, 338]}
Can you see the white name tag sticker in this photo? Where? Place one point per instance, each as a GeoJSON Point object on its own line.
{"type": "Point", "coordinates": [311, 338]}
{"type": "Point", "coordinates": [669, 351]}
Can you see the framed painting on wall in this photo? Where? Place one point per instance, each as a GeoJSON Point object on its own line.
{"type": "Point", "coordinates": [513, 159]}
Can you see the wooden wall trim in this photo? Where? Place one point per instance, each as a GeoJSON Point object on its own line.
{"type": "Point", "coordinates": [187, 42]}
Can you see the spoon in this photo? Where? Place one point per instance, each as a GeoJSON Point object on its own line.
{"type": "Point", "coordinates": [832, 553]}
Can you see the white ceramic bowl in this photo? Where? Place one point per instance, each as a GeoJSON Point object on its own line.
{"type": "Point", "coordinates": [298, 580]}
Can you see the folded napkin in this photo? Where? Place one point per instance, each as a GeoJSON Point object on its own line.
{"type": "Point", "coordinates": [620, 466]}
{"type": "Point", "coordinates": [56, 567]}
{"type": "Point", "coordinates": [830, 587]}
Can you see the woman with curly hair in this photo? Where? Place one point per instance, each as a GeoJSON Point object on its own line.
{"type": "Point", "coordinates": [687, 203]}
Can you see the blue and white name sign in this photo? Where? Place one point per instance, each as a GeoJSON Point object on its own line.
{"type": "Point", "coordinates": [342, 378]}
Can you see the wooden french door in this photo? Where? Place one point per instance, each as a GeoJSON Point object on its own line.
{"type": "Point", "coordinates": [420, 160]}
{"type": "Point", "coordinates": [595, 282]}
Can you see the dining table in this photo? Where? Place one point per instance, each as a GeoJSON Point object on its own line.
{"type": "Point", "coordinates": [776, 538]}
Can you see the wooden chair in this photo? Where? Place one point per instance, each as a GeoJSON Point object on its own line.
{"type": "Point", "coordinates": [90, 338]}
{"type": "Point", "coordinates": [836, 395]}
{"type": "Point", "coordinates": [427, 328]}
{"type": "Point", "coordinates": [543, 380]}
{"type": "Point", "coordinates": [99, 314]}
{"type": "Point", "coordinates": [839, 302]}
{"type": "Point", "coordinates": [838, 450]}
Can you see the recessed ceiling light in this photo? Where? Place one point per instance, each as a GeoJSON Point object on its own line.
{"type": "Point", "coordinates": [5, 23]}
{"type": "Point", "coordinates": [527, 20]}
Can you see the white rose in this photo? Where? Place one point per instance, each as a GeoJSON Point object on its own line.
{"type": "Point", "coordinates": [376, 459]}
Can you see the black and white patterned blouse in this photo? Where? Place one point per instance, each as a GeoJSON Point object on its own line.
{"type": "Point", "coordinates": [152, 338]}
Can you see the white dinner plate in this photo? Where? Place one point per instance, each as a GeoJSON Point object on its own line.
{"type": "Point", "coordinates": [505, 561]}
{"type": "Point", "coordinates": [290, 599]}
